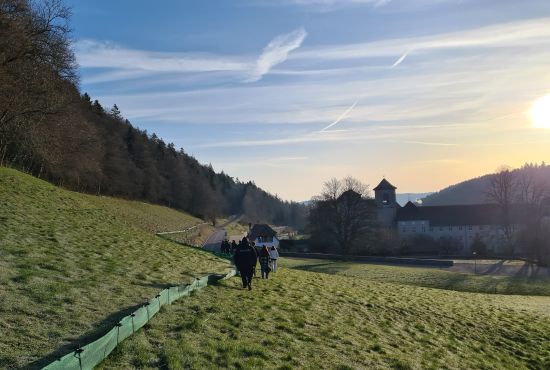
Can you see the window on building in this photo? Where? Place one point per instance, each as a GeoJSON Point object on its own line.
{"type": "Point", "coordinates": [385, 198]}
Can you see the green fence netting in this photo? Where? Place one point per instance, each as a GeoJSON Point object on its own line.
{"type": "Point", "coordinates": [90, 355]}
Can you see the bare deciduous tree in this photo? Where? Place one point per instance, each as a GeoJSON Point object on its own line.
{"type": "Point", "coordinates": [342, 215]}
{"type": "Point", "coordinates": [533, 195]}
{"type": "Point", "coordinates": [36, 66]}
{"type": "Point", "coordinates": [502, 191]}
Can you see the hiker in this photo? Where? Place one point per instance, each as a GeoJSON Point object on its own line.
{"type": "Point", "coordinates": [233, 246]}
{"type": "Point", "coordinates": [264, 262]}
{"type": "Point", "coordinates": [245, 259]}
{"type": "Point", "coordinates": [223, 247]}
{"type": "Point", "coordinates": [273, 254]}
{"type": "Point", "coordinates": [257, 255]}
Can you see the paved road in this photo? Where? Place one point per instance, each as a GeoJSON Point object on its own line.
{"type": "Point", "coordinates": [214, 242]}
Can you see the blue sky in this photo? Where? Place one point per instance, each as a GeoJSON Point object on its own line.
{"type": "Point", "coordinates": [291, 93]}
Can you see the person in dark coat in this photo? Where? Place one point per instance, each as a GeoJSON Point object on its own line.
{"type": "Point", "coordinates": [245, 260]}
{"type": "Point", "coordinates": [233, 246]}
{"type": "Point", "coordinates": [257, 255]}
{"type": "Point", "coordinates": [264, 262]}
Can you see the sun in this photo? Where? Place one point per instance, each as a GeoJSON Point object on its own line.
{"type": "Point", "coordinates": [540, 112]}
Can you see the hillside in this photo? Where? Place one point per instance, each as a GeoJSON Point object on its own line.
{"type": "Point", "coordinates": [301, 319]}
{"type": "Point", "coordinates": [473, 191]}
{"type": "Point", "coordinates": [403, 198]}
{"type": "Point", "coordinates": [93, 149]}
{"type": "Point", "coordinates": [71, 264]}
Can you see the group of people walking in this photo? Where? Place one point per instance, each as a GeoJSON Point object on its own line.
{"type": "Point", "coordinates": [246, 257]}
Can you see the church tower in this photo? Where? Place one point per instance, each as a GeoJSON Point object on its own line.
{"type": "Point", "coordinates": [386, 203]}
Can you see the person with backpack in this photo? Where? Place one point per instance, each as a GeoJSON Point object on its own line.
{"type": "Point", "coordinates": [264, 262]}
{"type": "Point", "coordinates": [273, 254]}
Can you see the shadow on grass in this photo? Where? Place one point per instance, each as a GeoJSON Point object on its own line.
{"type": "Point", "coordinates": [533, 271]}
{"type": "Point", "coordinates": [494, 269]}
{"type": "Point", "coordinates": [160, 286]}
{"type": "Point", "coordinates": [101, 329]}
{"type": "Point", "coordinates": [331, 268]}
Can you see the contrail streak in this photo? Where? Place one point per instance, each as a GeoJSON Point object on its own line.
{"type": "Point", "coordinates": [399, 61]}
{"type": "Point", "coordinates": [342, 116]}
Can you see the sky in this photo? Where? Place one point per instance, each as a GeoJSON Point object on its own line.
{"type": "Point", "coordinates": [291, 93]}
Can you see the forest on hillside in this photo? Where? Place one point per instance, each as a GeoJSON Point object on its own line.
{"type": "Point", "coordinates": [51, 130]}
{"type": "Point", "coordinates": [474, 191]}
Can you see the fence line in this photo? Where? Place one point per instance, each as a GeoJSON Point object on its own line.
{"type": "Point", "coordinates": [182, 231]}
{"type": "Point", "coordinates": [90, 355]}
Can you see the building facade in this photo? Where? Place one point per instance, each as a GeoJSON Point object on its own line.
{"type": "Point", "coordinates": [263, 235]}
{"type": "Point", "coordinates": [457, 225]}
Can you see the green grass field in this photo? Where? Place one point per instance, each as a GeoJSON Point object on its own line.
{"type": "Point", "coordinates": [304, 319]}
{"type": "Point", "coordinates": [236, 229]}
{"type": "Point", "coordinates": [72, 264]}
{"type": "Point", "coordinates": [429, 277]}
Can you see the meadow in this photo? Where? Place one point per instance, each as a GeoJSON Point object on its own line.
{"type": "Point", "coordinates": [440, 278]}
{"type": "Point", "coordinates": [72, 264]}
{"type": "Point", "coordinates": [311, 320]}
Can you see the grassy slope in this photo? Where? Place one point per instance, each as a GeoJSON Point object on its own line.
{"type": "Point", "coordinates": [70, 262]}
{"type": "Point", "coordinates": [430, 277]}
{"type": "Point", "coordinates": [236, 229]}
{"type": "Point", "coordinates": [301, 319]}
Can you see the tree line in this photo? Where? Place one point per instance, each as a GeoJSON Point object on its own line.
{"type": "Point", "coordinates": [49, 129]}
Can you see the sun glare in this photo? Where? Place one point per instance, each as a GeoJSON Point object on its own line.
{"type": "Point", "coordinates": [540, 112]}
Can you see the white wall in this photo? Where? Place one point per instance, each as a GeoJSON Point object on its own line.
{"type": "Point", "coordinates": [274, 243]}
{"type": "Point", "coordinates": [492, 235]}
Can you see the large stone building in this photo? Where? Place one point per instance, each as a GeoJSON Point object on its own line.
{"type": "Point", "coordinates": [459, 224]}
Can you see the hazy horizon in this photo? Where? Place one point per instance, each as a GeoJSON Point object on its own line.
{"type": "Point", "coordinates": [426, 93]}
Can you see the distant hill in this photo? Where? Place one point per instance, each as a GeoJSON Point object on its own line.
{"type": "Point", "coordinates": [403, 198]}
{"type": "Point", "coordinates": [473, 191]}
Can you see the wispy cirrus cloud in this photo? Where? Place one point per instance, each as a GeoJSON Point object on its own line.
{"type": "Point", "coordinates": [399, 61]}
{"type": "Point", "coordinates": [517, 33]}
{"type": "Point", "coordinates": [105, 54]}
{"type": "Point", "coordinates": [126, 63]}
{"type": "Point", "coordinates": [276, 52]}
{"type": "Point", "coordinates": [332, 3]}
{"type": "Point", "coordinates": [342, 116]}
